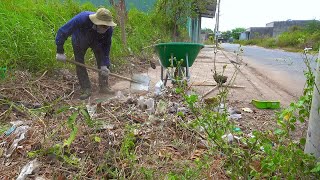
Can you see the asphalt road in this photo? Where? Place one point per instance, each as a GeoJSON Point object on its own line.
{"type": "Point", "coordinates": [290, 66]}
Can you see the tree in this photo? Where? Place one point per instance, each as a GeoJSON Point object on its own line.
{"type": "Point", "coordinates": [236, 32]}
{"type": "Point", "coordinates": [177, 12]}
{"type": "Point", "coordinates": [313, 26]}
{"type": "Point", "coordinates": [313, 133]}
{"type": "Point", "coordinates": [226, 34]}
{"type": "Point", "coordinates": [207, 30]}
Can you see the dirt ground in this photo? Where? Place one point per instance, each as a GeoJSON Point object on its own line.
{"type": "Point", "coordinates": [252, 81]}
{"type": "Point", "coordinates": [161, 144]}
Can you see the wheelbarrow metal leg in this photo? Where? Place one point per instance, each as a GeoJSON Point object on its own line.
{"type": "Point", "coordinates": [187, 68]}
{"type": "Point", "coordinates": [166, 79]}
{"type": "Point", "coordinates": [162, 73]}
{"type": "Point", "coordinates": [172, 70]}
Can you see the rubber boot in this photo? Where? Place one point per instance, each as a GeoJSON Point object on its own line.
{"type": "Point", "coordinates": [85, 94]}
{"type": "Point", "coordinates": [104, 86]}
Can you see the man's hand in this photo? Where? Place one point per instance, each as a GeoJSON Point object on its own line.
{"type": "Point", "coordinates": [61, 57]}
{"type": "Point", "coordinates": [105, 71]}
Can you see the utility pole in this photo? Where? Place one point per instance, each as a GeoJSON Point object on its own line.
{"type": "Point", "coordinates": [313, 133]}
{"type": "Point", "coordinates": [216, 31]}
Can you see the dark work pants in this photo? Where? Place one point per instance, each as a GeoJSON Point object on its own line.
{"type": "Point", "coordinates": [80, 47]}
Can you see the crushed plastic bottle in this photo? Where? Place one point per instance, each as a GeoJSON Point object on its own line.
{"type": "Point", "coordinates": [158, 88]}
{"type": "Point", "coordinates": [28, 169]}
{"type": "Point", "coordinates": [150, 105]}
{"type": "Point", "coordinates": [20, 134]}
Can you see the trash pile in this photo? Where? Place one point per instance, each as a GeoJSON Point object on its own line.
{"type": "Point", "coordinates": [153, 122]}
{"type": "Point", "coordinates": [151, 118]}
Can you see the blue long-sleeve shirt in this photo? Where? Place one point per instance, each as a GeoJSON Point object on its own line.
{"type": "Point", "coordinates": [81, 29]}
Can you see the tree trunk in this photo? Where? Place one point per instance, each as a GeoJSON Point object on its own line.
{"type": "Point", "coordinates": [175, 36]}
{"type": "Point", "coordinates": [313, 133]}
{"type": "Point", "coordinates": [121, 17]}
{"type": "Point", "coordinates": [122, 20]}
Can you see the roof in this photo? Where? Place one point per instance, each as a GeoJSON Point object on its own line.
{"type": "Point", "coordinates": [210, 11]}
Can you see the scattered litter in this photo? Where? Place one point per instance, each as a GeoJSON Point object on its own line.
{"type": "Point", "coordinates": [19, 133]}
{"type": "Point", "coordinates": [147, 105]}
{"type": "Point", "coordinates": [10, 130]}
{"type": "Point", "coordinates": [91, 110]}
{"type": "Point", "coordinates": [236, 129]}
{"type": "Point", "coordinates": [161, 107]}
{"type": "Point", "coordinates": [237, 138]}
{"type": "Point", "coordinates": [173, 108]}
{"type": "Point", "coordinates": [233, 111]}
{"type": "Point", "coordinates": [220, 108]}
{"type": "Point", "coordinates": [248, 110]}
{"type": "Point", "coordinates": [17, 123]}
{"type": "Point", "coordinates": [228, 137]}
{"type": "Point", "coordinates": [150, 105]}
{"type": "Point", "coordinates": [120, 96]}
{"type": "Point", "coordinates": [141, 103]}
{"type": "Point", "coordinates": [235, 116]}
{"type": "Point", "coordinates": [158, 88]}
{"type": "Point", "coordinates": [251, 135]}
{"type": "Point", "coordinates": [105, 126]}
{"type": "Point", "coordinates": [28, 169]}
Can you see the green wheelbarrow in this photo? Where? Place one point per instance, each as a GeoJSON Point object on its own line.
{"type": "Point", "coordinates": [176, 58]}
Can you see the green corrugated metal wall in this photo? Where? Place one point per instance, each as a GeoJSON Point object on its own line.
{"type": "Point", "coordinates": [194, 28]}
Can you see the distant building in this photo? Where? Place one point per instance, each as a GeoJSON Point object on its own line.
{"type": "Point", "coordinates": [283, 26]}
{"type": "Point", "coordinates": [272, 29]}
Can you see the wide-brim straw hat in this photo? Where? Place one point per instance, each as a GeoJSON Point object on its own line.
{"type": "Point", "coordinates": [102, 17]}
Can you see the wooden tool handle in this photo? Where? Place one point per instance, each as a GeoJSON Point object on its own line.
{"type": "Point", "coordinates": [99, 70]}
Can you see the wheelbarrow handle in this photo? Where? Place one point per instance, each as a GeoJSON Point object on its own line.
{"type": "Point", "coordinates": [99, 70]}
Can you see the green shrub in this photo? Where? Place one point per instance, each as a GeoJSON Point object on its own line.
{"type": "Point", "coordinates": [269, 43]}
{"type": "Point", "coordinates": [291, 39]}
{"type": "Point", "coordinates": [143, 29]}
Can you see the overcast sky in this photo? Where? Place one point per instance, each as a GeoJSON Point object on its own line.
{"type": "Point", "coordinates": [257, 13]}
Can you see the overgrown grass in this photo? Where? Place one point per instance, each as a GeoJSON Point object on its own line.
{"type": "Point", "coordinates": [28, 29]}
{"type": "Point", "coordinates": [296, 38]}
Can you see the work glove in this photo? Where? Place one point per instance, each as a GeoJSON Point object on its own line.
{"type": "Point", "coordinates": [104, 71]}
{"type": "Point", "coordinates": [61, 57]}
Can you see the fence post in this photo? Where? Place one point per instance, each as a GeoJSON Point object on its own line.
{"type": "Point", "coordinates": [313, 133]}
